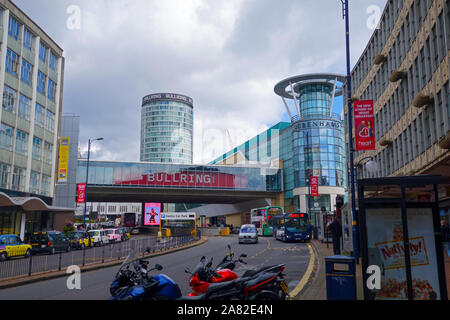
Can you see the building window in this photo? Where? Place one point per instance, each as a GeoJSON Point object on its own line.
{"type": "Point", "coordinates": [52, 61]}
{"type": "Point", "coordinates": [36, 153]}
{"type": "Point", "coordinates": [49, 121]}
{"type": "Point", "coordinates": [24, 107]}
{"type": "Point", "coordinates": [28, 39]}
{"type": "Point", "coordinates": [9, 99]}
{"type": "Point", "coordinates": [13, 28]}
{"type": "Point", "coordinates": [12, 62]}
{"type": "Point", "coordinates": [34, 182]}
{"type": "Point", "coordinates": [26, 72]}
{"type": "Point", "coordinates": [6, 136]}
{"type": "Point", "coordinates": [51, 90]}
{"type": "Point", "coordinates": [39, 115]}
{"type": "Point", "coordinates": [42, 52]}
{"type": "Point", "coordinates": [18, 179]}
{"type": "Point", "coordinates": [45, 185]}
{"type": "Point", "coordinates": [21, 146]}
{"type": "Point", "coordinates": [48, 152]}
{"type": "Point", "coordinates": [41, 83]}
{"type": "Point", "coordinates": [4, 175]}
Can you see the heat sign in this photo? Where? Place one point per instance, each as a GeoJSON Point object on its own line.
{"type": "Point", "coordinates": [364, 125]}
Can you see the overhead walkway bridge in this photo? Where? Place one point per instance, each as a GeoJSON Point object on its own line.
{"type": "Point", "coordinates": [111, 181]}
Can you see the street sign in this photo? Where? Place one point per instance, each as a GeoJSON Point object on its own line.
{"type": "Point", "coordinates": [178, 216]}
{"type": "Point", "coordinates": [314, 186]}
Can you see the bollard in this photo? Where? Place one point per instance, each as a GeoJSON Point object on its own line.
{"type": "Point", "coordinates": [84, 256]}
{"type": "Point", "coordinates": [103, 255]}
{"type": "Point", "coordinates": [59, 263]}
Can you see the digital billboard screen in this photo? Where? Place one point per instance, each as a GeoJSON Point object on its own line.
{"type": "Point", "coordinates": [152, 214]}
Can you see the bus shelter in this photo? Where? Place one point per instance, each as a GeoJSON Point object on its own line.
{"type": "Point", "coordinates": [400, 237]}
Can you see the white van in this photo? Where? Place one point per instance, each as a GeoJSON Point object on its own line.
{"type": "Point", "coordinates": [100, 237]}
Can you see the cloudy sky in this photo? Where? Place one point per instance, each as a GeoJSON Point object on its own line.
{"type": "Point", "coordinates": [225, 54]}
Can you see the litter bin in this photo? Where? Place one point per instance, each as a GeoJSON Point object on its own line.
{"type": "Point", "coordinates": [340, 277]}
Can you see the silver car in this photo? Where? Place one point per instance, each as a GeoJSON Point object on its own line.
{"type": "Point", "coordinates": [248, 234]}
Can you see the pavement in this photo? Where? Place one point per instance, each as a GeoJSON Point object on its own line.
{"type": "Point", "coordinates": [315, 288]}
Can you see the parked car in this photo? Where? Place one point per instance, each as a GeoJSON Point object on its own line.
{"type": "Point", "coordinates": [100, 237]}
{"type": "Point", "coordinates": [248, 234]}
{"type": "Point", "coordinates": [113, 235]}
{"type": "Point", "coordinates": [135, 231]}
{"type": "Point", "coordinates": [125, 233]}
{"type": "Point", "coordinates": [49, 242]}
{"type": "Point", "coordinates": [80, 239]}
{"type": "Point", "coordinates": [12, 246]}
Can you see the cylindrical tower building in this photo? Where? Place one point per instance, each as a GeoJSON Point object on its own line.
{"type": "Point", "coordinates": [318, 139]}
{"type": "Point", "coordinates": [167, 128]}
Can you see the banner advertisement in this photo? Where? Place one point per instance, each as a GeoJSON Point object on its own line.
{"type": "Point", "coordinates": [386, 249]}
{"type": "Point", "coordinates": [314, 182]}
{"type": "Point", "coordinates": [152, 214]}
{"type": "Point", "coordinates": [81, 192]}
{"type": "Point", "coordinates": [63, 162]}
{"type": "Point", "coordinates": [364, 125]}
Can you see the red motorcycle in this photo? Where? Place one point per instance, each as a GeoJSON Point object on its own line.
{"type": "Point", "coordinates": [252, 282]}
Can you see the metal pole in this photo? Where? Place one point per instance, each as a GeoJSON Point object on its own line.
{"type": "Point", "coordinates": [350, 131]}
{"type": "Point", "coordinates": [86, 187]}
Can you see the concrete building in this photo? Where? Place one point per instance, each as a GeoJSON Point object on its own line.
{"type": "Point", "coordinates": [31, 86]}
{"type": "Point", "coordinates": [167, 128]}
{"type": "Point", "coordinates": [405, 70]}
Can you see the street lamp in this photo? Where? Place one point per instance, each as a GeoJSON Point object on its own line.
{"type": "Point", "coordinates": [345, 14]}
{"type": "Point", "coordinates": [87, 176]}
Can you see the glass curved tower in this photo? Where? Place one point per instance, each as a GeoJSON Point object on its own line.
{"type": "Point", "coordinates": [318, 138]}
{"type": "Point", "coordinates": [167, 128]}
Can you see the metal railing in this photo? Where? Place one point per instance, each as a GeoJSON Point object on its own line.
{"type": "Point", "coordinates": [16, 267]}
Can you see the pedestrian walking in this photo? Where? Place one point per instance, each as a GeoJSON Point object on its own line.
{"type": "Point", "coordinates": [336, 233]}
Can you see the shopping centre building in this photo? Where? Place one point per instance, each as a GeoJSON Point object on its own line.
{"type": "Point", "coordinates": [311, 145]}
{"type": "Point", "coordinates": [405, 70]}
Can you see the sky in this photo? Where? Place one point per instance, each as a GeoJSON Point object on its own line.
{"type": "Point", "coordinates": [227, 55]}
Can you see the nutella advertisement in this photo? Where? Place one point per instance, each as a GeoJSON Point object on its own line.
{"type": "Point", "coordinates": [386, 249]}
{"type": "Point", "coordinates": [364, 125]}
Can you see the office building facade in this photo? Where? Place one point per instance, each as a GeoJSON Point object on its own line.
{"type": "Point", "coordinates": [31, 84]}
{"type": "Point", "coordinates": [167, 128]}
{"type": "Point", "coordinates": [405, 71]}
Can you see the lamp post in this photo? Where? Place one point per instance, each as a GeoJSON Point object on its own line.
{"type": "Point", "coordinates": [87, 176]}
{"type": "Point", "coordinates": [350, 130]}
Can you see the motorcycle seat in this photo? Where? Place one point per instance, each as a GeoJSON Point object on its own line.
{"type": "Point", "coordinates": [260, 279]}
{"type": "Point", "coordinates": [250, 273]}
{"type": "Point", "coordinates": [193, 298]}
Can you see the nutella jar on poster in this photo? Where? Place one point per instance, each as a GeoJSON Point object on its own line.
{"type": "Point", "coordinates": [386, 250]}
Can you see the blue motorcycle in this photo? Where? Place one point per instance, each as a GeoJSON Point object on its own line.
{"type": "Point", "coordinates": [133, 282]}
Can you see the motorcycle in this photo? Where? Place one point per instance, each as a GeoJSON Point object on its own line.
{"type": "Point", "coordinates": [134, 282]}
{"type": "Point", "coordinates": [251, 284]}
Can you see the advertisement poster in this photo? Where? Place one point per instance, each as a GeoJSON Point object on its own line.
{"type": "Point", "coordinates": [314, 186]}
{"type": "Point", "coordinates": [63, 163]}
{"type": "Point", "coordinates": [364, 125]}
{"type": "Point", "coordinates": [81, 192]}
{"type": "Point", "coordinates": [386, 249]}
{"type": "Point", "coordinates": [152, 215]}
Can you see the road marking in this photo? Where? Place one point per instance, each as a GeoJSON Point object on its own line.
{"type": "Point", "coordinates": [306, 276]}
{"type": "Point", "coordinates": [263, 250]}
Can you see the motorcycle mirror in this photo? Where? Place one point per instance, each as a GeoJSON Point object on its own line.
{"type": "Point", "coordinates": [243, 255]}
{"type": "Point", "coordinates": [187, 270]}
{"type": "Point", "coordinates": [158, 267]}
{"type": "Point", "coordinates": [229, 247]}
